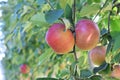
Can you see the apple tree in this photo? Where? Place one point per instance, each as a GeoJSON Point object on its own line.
{"type": "Point", "coordinates": [61, 39]}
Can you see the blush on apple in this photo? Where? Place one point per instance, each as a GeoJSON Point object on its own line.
{"type": "Point", "coordinates": [24, 69]}
{"type": "Point", "coordinates": [97, 55]}
{"type": "Point", "coordinates": [116, 72]}
{"type": "Point", "coordinates": [59, 39]}
{"type": "Point", "coordinates": [87, 34]}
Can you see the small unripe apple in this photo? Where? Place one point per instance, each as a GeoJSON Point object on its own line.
{"type": "Point", "coordinates": [87, 34]}
{"type": "Point", "coordinates": [59, 39]}
{"type": "Point", "coordinates": [24, 68]}
{"type": "Point", "coordinates": [97, 55]}
{"type": "Point", "coordinates": [116, 72]}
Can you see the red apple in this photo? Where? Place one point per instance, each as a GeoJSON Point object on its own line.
{"type": "Point", "coordinates": [24, 69]}
{"type": "Point", "coordinates": [116, 72]}
{"type": "Point", "coordinates": [97, 55]}
{"type": "Point", "coordinates": [58, 39]}
{"type": "Point", "coordinates": [87, 34]}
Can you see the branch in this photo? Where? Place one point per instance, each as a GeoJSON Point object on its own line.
{"type": "Point", "coordinates": [50, 4]}
{"type": "Point", "coordinates": [74, 12]}
{"type": "Point", "coordinates": [100, 9]}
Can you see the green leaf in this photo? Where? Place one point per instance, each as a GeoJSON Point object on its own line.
{"type": "Point", "coordinates": [96, 77]}
{"type": "Point", "coordinates": [63, 3]}
{"type": "Point", "coordinates": [40, 2]}
{"type": "Point", "coordinates": [84, 73]}
{"type": "Point", "coordinates": [68, 13]}
{"type": "Point", "coordinates": [39, 19]}
{"type": "Point", "coordinates": [115, 31]}
{"type": "Point", "coordinates": [89, 10]}
{"type": "Point", "coordinates": [53, 15]}
{"type": "Point", "coordinates": [116, 58]}
{"type": "Point", "coordinates": [45, 56]}
{"type": "Point", "coordinates": [47, 79]}
{"type": "Point", "coordinates": [115, 24]}
{"type": "Point", "coordinates": [100, 68]}
{"type": "Point", "coordinates": [116, 45]}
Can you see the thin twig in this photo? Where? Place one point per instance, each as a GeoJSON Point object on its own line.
{"type": "Point", "coordinates": [100, 9]}
{"type": "Point", "coordinates": [74, 12]}
{"type": "Point", "coordinates": [110, 12]}
{"type": "Point", "coordinates": [50, 4]}
{"type": "Point", "coordinates": [109, 21]}
{"type": "Point", "coordinates": [74, 48]}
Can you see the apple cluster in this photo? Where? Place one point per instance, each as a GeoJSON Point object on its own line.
{"type": "Point", "coordinates": [87, 35]}
{"type": "Point", "coordinates": [62, 41]}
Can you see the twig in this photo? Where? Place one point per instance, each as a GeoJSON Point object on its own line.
{"type": "Point", "coordinates": [74, 48]}
{"type": "Point", "coordinates": [74, 12]}
{"type": "Point", "coordinates": [100, 9]}
{"type": "Point", "coordinates": [50, 4]}
{"type": "Point", "coordinates": [109, 21]}
{"type": "Point", "coordinates": [110, 12]}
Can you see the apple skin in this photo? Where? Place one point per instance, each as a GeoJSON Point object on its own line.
{"type": "Point", "coordinates": [87, 34]}
{"type": "Point", "coordinates": [116, 72]}
{"type": "Point", "coordinates": [58, 39]}
{"type": "Point", "coordinates": [24, 69]}
{"type": "Point", "coordinates": [97, 55]}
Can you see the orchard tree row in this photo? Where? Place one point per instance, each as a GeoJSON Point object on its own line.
{"type": "Point", "coordinates": [62, 39]}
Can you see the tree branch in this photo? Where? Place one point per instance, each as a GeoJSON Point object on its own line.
{"type": "Point", "coordinates": [100, 9]}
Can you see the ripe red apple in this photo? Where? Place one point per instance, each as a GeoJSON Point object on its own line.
{"type": "Point", "coordinates": [116, 72]}
{"type": "Point", "coordinates": [87, 34]}
{"type": "Point", "coordinates": [58, 39]}
{"type": "Point", "coordinates": [24, 68]}
{"type": "Point", "coordinates": [97, 55]}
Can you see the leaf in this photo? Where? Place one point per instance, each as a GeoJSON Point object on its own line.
{"type": "Point", "coordinates": [68, 12]}
{"type": "Point", "coordinates": [96, 77]}
{"type": "Point", "coordinates": [40, 2]}
{"type": "Point", "coordinates": [89, 10]}
{"type": "Point", "coordinates": [45, 56]}
{"type": "Point", "coordinates": [115, 24]}
{"type": "Point", "coordinates": [116, 58]}
{"type": "Point", "coordinates": [63, 73]}
{"type": "Point", "coordinates": [85, 73]}
{"type": "Point", "coordinates": [8, 37]}
{"type": "Point", "coordinates": [53, 15]}
{"type": "Point", "coordinates": [100, 68]}
{"type": "Point", "coordinates": [116, 45]}
{"type": "Point", "coordinates": [39, 19]}
{"type": "Point", "coordinates": [47, 79]}
{"type": "Point", "coordinates": [63, 3]}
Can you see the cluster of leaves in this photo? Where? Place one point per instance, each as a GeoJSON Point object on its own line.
{"type": "Point", "coordinates": [26, 22]}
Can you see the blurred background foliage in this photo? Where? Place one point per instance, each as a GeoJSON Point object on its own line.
{"type": "Point", "coordinates": [26, 22]}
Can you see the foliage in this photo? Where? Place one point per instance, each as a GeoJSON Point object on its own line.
{"type": "Point", "coordinates": [26, 22]}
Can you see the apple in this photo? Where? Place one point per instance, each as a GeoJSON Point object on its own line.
{"type": "Point", "coordinates": [116, 72]}
{"type": "Point", "coordinates": [24, 68]}
{"type": "Point", "coordinates": [59, 39]}
{"type": "Point", "coordinates": [97, 55]}
{"type": "Point", "coordinates": [87, 34]}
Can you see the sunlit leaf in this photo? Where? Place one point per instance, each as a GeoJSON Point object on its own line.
{"type": "Point", "coordinates": [89, 10]}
